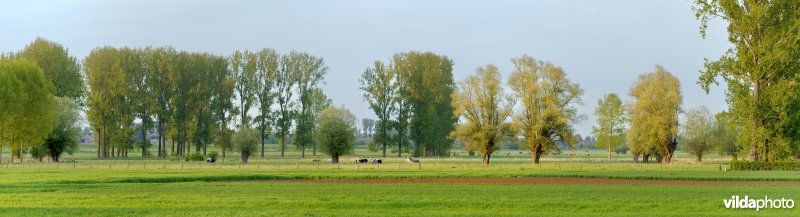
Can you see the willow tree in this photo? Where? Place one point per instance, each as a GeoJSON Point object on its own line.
{"type": "Point", "coordinates": [760, 71]}
{"type": "Point", "coordinates": [610, 129]}
{"type": "Point", "coordinates": [697, 132]}
{"type": "Point", "coordinates": [548, 110]}
{"type": "Point", "coordinates": [379, 84]}
{"type": "Point", "coordinates": [483, 106]}
{"type": "Point", "coordinates": [654, 115]}
{"type": "Point", "coordinates": [27, 96]}
{"type": "Point", "coordinates": [336, 132]}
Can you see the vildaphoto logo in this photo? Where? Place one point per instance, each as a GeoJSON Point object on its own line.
{"type": "Point", "coordinates": [752, 203]}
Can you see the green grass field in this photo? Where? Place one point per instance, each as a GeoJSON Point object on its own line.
{"type": "Point", "coordinates": [83, 185]}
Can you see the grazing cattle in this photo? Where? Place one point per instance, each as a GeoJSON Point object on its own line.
{"type": "Point", "coordinates": [315, 160]}
{"type": "Point", "coordinates": [412, 160]}
{"type": "Point", "coordinates": [330, 160]}
{"type": "Point", "coordinates": [375, 160]}
{"type": "Point", "coordinates": [211, 160]}
{"type": "Point", "coordinates": [360, 160]}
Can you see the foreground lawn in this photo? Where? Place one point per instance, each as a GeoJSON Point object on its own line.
{"type": "Point", "coordinates": [336, 199]}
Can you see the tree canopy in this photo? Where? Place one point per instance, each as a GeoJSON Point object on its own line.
{"type": "Point", "coordinates": [483, 106]}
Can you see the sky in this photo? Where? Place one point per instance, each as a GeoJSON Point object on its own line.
{"type": "Point", "coordinates": [602, 45]}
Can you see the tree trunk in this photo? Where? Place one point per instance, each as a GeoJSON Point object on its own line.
{"type": "Point", "coordinates": [262, 141]}
{"type": "Point", "coordinates": [245, 155]}
{"type": "Point", "coordinates": [699, 157]}
{"type": "Point", "coordinates": [609, 153]}
{"type": "Point", "coordinates": [144, 138]}
{"type": "Point", "coordinates": [283, 143]}
{"type": "Point", "coordinates": [753, 147]}
{"type": "Point", "coordinates": [636, 157]}
{"type": "Point", "coordinates": [486, 158]}
{"type": "Point", "coordinates": [335, 159]}
{"type": "Point", "coordinates": [223, 152]}
{"type": "Point", "coordinates": [384, 149]}
{"type": "Point", "coordinates": [159, 139]}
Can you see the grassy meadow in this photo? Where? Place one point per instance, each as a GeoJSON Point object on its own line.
{"type": "Point", "coordinates": [84, 185]}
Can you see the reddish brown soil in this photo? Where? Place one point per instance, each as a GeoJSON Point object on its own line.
{"type": "Point", "coordinates": [534, 181]}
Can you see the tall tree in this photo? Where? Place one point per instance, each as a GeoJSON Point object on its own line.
{"type": "Point", "coordinates": [484, 107]}
{"type": "Point", "coordinates": [58, 66]}
{"type": "Point", "coordinates": [243, 68]}
{"type": "Point", "coordinates": [654, 115]}
{"type": "Point", "coordinates": [379, 84]}
{"type": "Point", "coordinates": [159, 61]}
{"type": "Point", "coordinates": [28, 118]}
{"type": "Point", "coordinates": [760, 70]}
{"type": "Point", "coordinates": [336, 132]}
{"type": "Point", "coordinates": [427, 87]}
{"type": "Point", "coordinates": [310, 74]}
{"type": "Point", "coordinates": [267, 70]}
{"type": "Point", "coordinates": [285, 82]}
{"type": "Point", "coordinates": [610, 129]}
{"type": "Point", "coordinates": [548, 105]}
{"type": "Point", "coordinates": [697, 131]}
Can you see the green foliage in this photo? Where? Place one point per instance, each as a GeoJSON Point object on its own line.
{"type": "Point", "coordinates": [548, 100]}
{"type": "Point", "coordinates": [697, 133]}
{"type": "Point", "coordinates": [213, 154]}
{"type": "Point", "coordinates": [758, 165]}
{"type": "Point", "coordinates": [622, 149]}
{"type": "Point", "coordinates": [246, 141]}
{"type": "Point", "coordinates": [310, 73]}
{"type": "Point", "coordinates": [760, 72]}
{"type": "Point", "coordinates": [653, 115]}
{"type": "Point", "coordinates": [58, 66]}
{"type": "Point", "coordinates": [725, 134]}
{"type": "Point", "coordinates": [26, 115]}
{"type": "Point", "coordinates": [66, 131]}
{"type": "Point", "coordinates": [194, 156]}
{"type": "Point", "coordinates": [610, 129]}
{"type": "Point", "coordinates": [336, 132]}
{"type": "Point", "coordinates": [426, 81]}
{"type": "Point", "coordinates": [484, 107]}
{"type": "Point", "coordinates": [380, 84]}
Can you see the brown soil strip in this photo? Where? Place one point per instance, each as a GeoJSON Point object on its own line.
{"type": "Point", "coordinates": [535, 180]}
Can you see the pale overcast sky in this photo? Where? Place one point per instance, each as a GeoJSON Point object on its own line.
{"type": "Point", "coordinates": [602, 45]}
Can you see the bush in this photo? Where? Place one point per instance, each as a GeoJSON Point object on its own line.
{"type": "Point", "coordinates": [622, 149]}
{"type": "Point", "coordinates": [781, 165]}
{"type": "Point", "coordinates": [213, 154]}
{"type": "Point", "coordinates": [471, 152]}
{"type": "Point", "coordinates": [196, 156]}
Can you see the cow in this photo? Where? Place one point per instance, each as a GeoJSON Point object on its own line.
{"type": "Point", "coordinates": [360, 160]}
{"type": "Point", "coordinates": [211, 160]}
{"type": "Point", "coordinates": [412, 160]}
{"type": "Point", "coordinates": [375, 161]}
{"type": "Point", "coordinates": [315, 160]}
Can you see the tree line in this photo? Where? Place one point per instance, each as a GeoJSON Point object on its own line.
{"type": "Point", "coordinates": [195, 99]}
{"type": "Point", "coordinates": [192, 99]}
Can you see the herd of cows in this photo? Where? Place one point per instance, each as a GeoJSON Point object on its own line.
{"type": "Point", "coordinates": [380, 161]}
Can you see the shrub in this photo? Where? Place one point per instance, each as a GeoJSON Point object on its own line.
{"type": "Point", "coordinates": [780, 165]}
{"type": "Point", "coordinates": [622, 149]}
{"type": "Point", "coordinates": [213, 154]}
{"type": "Point", "coordinates": [196, 156]}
